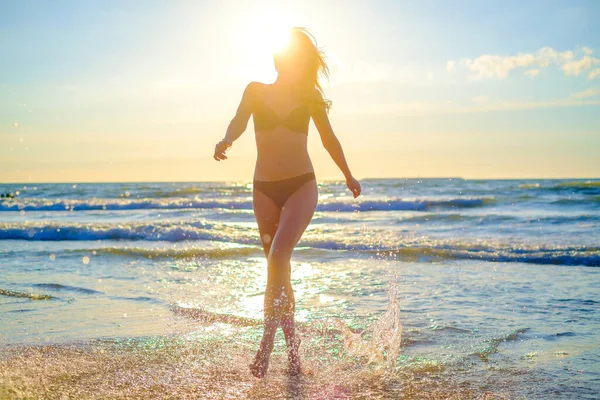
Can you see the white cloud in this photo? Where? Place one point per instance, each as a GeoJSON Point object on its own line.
{"type": "Point", "coordinates": [594, 73]}
{"type": "Point", "coordinates": [578, 66]}
{"type": "Point", "coordinates": [587, 51]}
{"type": "Point", "coordinates": [592, 92]}
{"type": "Point", "coordinates": [498, 66]}
{"type": "Point", "coordinates": [532, 72]}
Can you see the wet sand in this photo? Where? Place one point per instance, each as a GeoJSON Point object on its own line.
{"type": "Point", "coordinates": [178, 369]}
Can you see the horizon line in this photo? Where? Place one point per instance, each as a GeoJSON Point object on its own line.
{"type": "Point", "coordinates": [325, 179]}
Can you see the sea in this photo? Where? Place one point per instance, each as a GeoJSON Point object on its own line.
{"type": "Point", "coordinates": [419, 288]}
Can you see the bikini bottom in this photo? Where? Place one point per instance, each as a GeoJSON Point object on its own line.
{"type": "Point", "coordinates": [281, 190]}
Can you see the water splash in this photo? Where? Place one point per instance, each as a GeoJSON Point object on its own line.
{"type": "Point", "coordinates": [379, 344]}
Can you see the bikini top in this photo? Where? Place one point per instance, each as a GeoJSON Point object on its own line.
{"type": "Point", "coordinates": [265, 118]}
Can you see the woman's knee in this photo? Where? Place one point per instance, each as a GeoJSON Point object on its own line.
{"type": "Point", "coordinates": [279, 258]}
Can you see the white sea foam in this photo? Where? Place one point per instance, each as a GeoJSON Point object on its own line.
{"type": "Point", "coordinates": [418, 204]}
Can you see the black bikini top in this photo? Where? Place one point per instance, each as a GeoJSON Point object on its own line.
{"type": "Point", "coordinates": [265, 118]}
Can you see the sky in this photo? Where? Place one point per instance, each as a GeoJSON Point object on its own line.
{"type": "Point", "coordinates": [142, 90]}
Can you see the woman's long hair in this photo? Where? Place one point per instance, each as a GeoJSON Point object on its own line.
{"type": "Point", "coordinates": [303, 46]}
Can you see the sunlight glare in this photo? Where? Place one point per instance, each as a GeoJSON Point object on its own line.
{"type": "Point", "coordinates": [266, 34]}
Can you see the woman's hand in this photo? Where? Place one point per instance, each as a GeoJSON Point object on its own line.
{"type": "Point", "coordinates": [354, 186]}
{"type": "Point", "coordinates": [220, 149]}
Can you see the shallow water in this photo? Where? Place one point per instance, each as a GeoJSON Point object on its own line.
{"type": "Point", "coordinates": [497, 291]}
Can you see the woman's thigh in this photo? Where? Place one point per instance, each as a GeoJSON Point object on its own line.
{"type": "Point", "coordinates": [267, 218]}
{"type": "Point", "coordinates": [295, 216]}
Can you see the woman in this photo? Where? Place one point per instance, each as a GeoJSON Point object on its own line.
{"type": "Point", "coordinates": [285, 189]}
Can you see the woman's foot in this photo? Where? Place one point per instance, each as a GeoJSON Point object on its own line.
{"type": "Point", "coordinates": [259, 366]}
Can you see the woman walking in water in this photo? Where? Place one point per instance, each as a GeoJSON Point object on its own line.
{"type": "Point", "coordinates": [285, 190]}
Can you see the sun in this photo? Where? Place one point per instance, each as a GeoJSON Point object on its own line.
{"type": "Point", "coordinates": [265, 33]}
{"type": "Point", "coordinates": [269, 31]}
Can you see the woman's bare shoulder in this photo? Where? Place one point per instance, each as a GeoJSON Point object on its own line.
{"type": "Point", "coordinates": [254, 90]}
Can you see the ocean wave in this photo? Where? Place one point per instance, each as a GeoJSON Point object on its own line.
{"type": "Point", "coordinates": [60, 287]}
{"type": "Point", "coordinates": [441, 217]}
{"type": "Point", "coordinates": [396, 204]}
{"type": "Point", "coordinates": [393, 204]}
{"type": "Point", "coordinates": [494, 343]}
{"type": "Point", "coordinates": [30, 296]}
{"type": "Point", "coordinates": [583, 186]}
{"type": "Point", "coordinates": [179, 192]}
{"type": "Point", "coordinates": [424, 249]}
{"type": "Point", "coordinates": [577, 201]}
{"type": "Point", "coordinates": [119, 204]}
{"type": "Point", "coordinates": [165, 231]}
{"type": "Point", "coordinates": [550, 256]}
{"type": "Point", "coordinates": [385, 244]}
{"type": "Point", "coordinates": [177, 253]}
{"type": "Point", "coordinates": [529, 186]}
{"type": "Point", "coordinates": [494, 219]}
{"type": "Point", "coordinates": [579, 184]}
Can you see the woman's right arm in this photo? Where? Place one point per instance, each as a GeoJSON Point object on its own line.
{"type": "Point", "coordinates": [238, 124]}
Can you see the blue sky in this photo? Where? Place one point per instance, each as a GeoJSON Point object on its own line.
{"type": "Point", "coordinates": [141, 90]}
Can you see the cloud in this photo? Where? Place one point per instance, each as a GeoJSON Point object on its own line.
{"type": "Point", "coordinates": [498, 66]}
{"type": "Point", "coordinates": [578, 66]}
{"type": "Point", "coordinates": [592, 92]}
{"type": "Point", "coordinates": [532, 72]}
{"type": "Point", "coordinates": [594, 73]}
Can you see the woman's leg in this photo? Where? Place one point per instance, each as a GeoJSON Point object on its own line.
{"type": "Point", "coordinates": [267, 218]}
{"type": "Point", "coordinates": [279, 296]}
{"type": "Point", "coordinates": [295, 217]}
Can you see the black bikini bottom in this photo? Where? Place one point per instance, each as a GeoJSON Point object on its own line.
{"type": "Point", "coordinates": [280, 191]}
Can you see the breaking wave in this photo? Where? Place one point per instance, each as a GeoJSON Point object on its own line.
{"type": "Point", "coordinates": [247, 244]}
{"type": "Point", "coordinates": [239, 204]}
{"type": "Point", "coordinates": [165, 231]}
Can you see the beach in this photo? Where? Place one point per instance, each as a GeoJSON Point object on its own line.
{"type": "Point", "coordinates": [420, 288]}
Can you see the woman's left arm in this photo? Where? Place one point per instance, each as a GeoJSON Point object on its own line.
{"type": "Point", "coordinates": [334, 147]}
